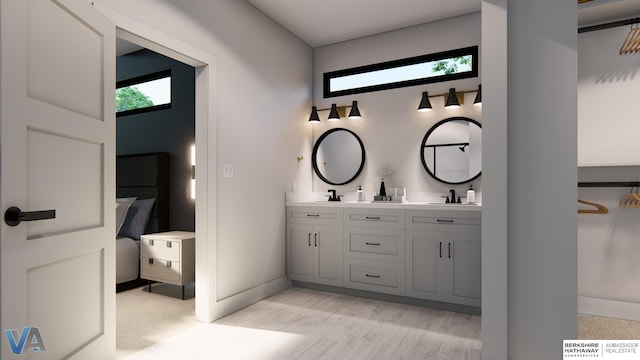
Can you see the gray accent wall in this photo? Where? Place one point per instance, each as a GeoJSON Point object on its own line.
{"type": "Point", "coordinates": [169, 130]}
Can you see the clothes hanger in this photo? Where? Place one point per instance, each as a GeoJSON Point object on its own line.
{"type": "Point", "coordinates": [599, 208]}
{"type": "Point", "coordinates": [631, 200]}
{"type": "Point", "coordinates": [630, 43]}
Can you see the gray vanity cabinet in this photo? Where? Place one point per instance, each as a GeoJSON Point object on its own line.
{"type": "Point", "coordinates": [314, 245]}
{"type": "Point", "coordinates": [429, 254]}
{"type": "Point", "coordinates": [374, 250]}
{"type": "Point", "coordinates": [444, 256]}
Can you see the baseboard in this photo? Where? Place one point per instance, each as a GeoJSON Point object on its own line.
{"type": "Point", "coordinates": [609, 308]}
{"type": "Point", "coordinates": [241, 300]}
{"type": "Point", "coordinates": [392, 298]}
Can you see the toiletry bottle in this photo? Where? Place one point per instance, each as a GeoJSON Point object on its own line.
{"type": "Point", "coordinates": [471, 195]}
{"type": "Point", "coordinates": [359, 194]}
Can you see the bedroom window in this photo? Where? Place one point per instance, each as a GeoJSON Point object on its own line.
{"type": "Point", "coordinates": [424, 69]}
{"type": "Point", "coordinates": [144, 93]}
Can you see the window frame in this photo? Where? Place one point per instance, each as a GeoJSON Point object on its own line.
{"type": "Point", "coordinates": [471, 50]}
{"type": "Point", "coordinates": [142, 79]}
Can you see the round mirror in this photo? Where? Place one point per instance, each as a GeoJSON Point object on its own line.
{"type": "Point", "coordinates": [338, 156]}
{"type": "Point", "coordinates": [451, 150]}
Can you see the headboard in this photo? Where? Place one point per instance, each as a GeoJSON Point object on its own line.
{"type": "Point", "coordinates": [146, 176]}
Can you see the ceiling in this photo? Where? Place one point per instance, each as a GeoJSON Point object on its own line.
{"type": "Point", "coordinates": [320, 23]}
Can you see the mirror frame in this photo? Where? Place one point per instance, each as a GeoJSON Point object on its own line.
{"type": "Point", "coordinates": [426, 137]}
{"type": "Point", "coordinates": [315, 154]}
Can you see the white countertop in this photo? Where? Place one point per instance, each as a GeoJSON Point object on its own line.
{"type": "Point", "coordinates": [388, 205]}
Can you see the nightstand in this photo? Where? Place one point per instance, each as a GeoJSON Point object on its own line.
{"type": "Point", "coordinates": [168, 257]}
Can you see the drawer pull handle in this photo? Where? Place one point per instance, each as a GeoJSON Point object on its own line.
{"type": "Point", "coordinates": [372, 217]}
{"type": "Point", "coordinates": [169, 244]}
{"type": "Point", "coordinates": [313, 215]}
{"type": "Point", "coordinates": [315, 239]}
{"type": "Point", "coordinates": [150, 261]}
{"type": "Point", "coordinates": [445, 221]}
{"type": "Point", "coordinates": [168, 264]}
{"type": "Point", "coordinates": [449, 250]}
{"type": "Point", "coordinates": [373, 244]}
{"type": "Point", "coordinates": [150, 242]}
{"type": "Point", "coordinates": [309, 239]}
{"type": "Point", "coordinates": [373, 276]}
{"type": "Point", "coordinates": [440, 248]}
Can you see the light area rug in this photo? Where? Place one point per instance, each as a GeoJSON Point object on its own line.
{"type": "Point", "coordinates": [144, 319]}
{"type": "Point", "coordinates": [604, 328]}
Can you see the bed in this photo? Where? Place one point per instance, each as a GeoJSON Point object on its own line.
{"type": "Point", "coordinates": [142, 207]}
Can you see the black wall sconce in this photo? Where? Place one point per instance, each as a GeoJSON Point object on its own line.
{"type": "Point", "coordinates": [478, 100]}
{"type": "Point", "coordinates": [453, 99]}
{"type": "Point", "coordinates": [336, 112]}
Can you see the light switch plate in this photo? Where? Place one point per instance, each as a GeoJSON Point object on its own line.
{"type": "Point", "coordinates": [227, 170]}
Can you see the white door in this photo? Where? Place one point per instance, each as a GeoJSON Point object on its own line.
{"type": "Point", "coordinates": [57, 152]}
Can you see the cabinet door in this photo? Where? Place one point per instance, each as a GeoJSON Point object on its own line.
{"type": "Point", "coordinates": [466, 268]}
{"type": "Point", "coordinates": [425, 271]}
{"type": "Point", "coordinates": [301, 252]}
{"type": "Point", "coordinates": [328, 248]}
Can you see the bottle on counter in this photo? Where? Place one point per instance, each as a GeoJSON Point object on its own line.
{"type": "Point", "coordinates": [471, 195]}
{"type": "Point", "coordinates": [359, 194]}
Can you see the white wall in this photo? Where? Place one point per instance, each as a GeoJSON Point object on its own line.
{"type": "Point", "coordinates": [608, 250]}
{"type": "Point", "coordinates": [494, 164]}
{"type": "Point", "coordinates": [391, 128]}
{"type": "Point", "coordinates": [542, 174]}
{"type": "Point", "coordinates": [608, 86]}
{"type": "Point", "coordinates": [262, 77]}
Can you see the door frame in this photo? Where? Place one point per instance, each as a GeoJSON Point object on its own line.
{"type": "Point", "coordinates": [206, 155]}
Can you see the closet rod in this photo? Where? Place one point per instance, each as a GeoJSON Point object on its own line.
{"type": "Point", "coordinates": [608, 25]}
{"type": "Point", "coordinates": [609, 184]}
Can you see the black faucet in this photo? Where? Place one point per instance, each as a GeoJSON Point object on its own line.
{"type": "Point", "coordinates": [453, 196]}
{"type": "Point", "coordinates": [333, 196]}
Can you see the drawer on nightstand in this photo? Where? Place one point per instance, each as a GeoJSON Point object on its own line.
{"type": "Point", "coordinates": [160, 270]}
{"type": "Point", "coordinates": [161, 249]}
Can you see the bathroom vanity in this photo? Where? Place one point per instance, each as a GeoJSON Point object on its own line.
{"type": "Point", "coordinates": [415, 250]}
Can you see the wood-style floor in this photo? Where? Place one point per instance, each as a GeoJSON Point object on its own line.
{"type": "Point", "coordinates": [308, 324]}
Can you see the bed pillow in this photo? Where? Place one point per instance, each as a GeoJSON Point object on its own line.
{"type": "Point", "coordinates": [136, 219]}
{"type": "Point", "coordinates": [122, 206]}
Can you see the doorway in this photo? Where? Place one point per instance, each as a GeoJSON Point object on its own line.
{"type": "Point", "coordinates": [155, 134]}
{"type": "Point", "coordinates": [205, 121]}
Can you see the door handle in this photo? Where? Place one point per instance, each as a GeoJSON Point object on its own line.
{"type": "Point", "coordinates": [14, 216]}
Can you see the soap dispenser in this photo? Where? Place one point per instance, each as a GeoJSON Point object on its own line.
{"type": "Point", "coordinates": [360, 194]}
{"type": "Point", "coordinates": [471, 195]}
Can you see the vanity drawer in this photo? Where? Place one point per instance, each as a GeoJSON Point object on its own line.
{"type": "Point", "coordinates": [374, 244]}
{"type": "Point", "coordinates": [378, 218]}
{"type": "Point", "coordinates": [314, 215]}
{"type": "Point", "coordinates": [160, 249]}
{"type": "Point", "coordinates": [379, 276]}
{"type": "Point", "coordinates": [434, 219]}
